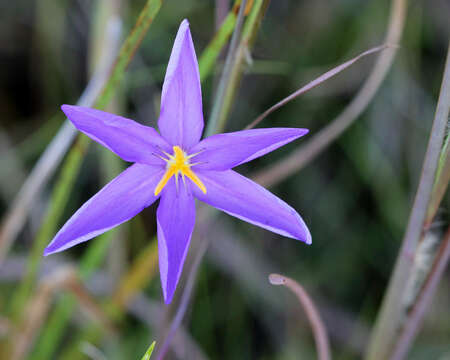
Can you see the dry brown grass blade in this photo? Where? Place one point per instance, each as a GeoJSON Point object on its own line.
{"type": "Point", "coordinates": [317, 325]}
{"type": "Point", "coordinates": [36, 312]}
{"type": "Point", "coordinates": [142, 270]}
{"type": "Point", "coordinates": [393, 309]}
{"type": "Point", "coordinates": [87, 303]}
{"type": "Point", "coordinates": [304, 154]}
{"type": "Point", "coordinates": [316, 82]}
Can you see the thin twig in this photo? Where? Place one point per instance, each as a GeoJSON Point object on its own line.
{"type": "Point", "coordinates": [392, 310]}
{"type": "Point", "coordinates": [317, 325]}
{"type": "Point", "coordinates": [304, 154]}
{"type": "Point", "coordinates": [55, 151]}
{"type": "Point", "coordinates": [312, 84]}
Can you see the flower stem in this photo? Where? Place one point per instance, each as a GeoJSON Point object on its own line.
{"type": "Point", "coordinates": [209, 56]}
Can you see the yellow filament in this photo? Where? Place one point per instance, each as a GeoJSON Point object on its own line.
{"type": "Point", "coordinates": [176, 164]}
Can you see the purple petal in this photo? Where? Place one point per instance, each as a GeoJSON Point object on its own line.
{"type": "Point", "coordinates": [176, 219]}
{"type": "Point", "coordinates": [238, 196]}
{"type": "Point", "coordinates": [130, 140]}
{"type": "Point", "coordinates": [224, 151]}
{"type": "Point", "coordinates": [120, 200]}
{"type": "Point", "coordinates": [181, 117]}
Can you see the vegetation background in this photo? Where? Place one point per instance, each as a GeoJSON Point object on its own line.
{"type": "Point", "coordinates": [355, 196]}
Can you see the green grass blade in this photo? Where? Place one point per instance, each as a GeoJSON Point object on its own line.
{"type": "Point", "coordinates": [212, 51]}
{"type": "Point", "coordinates": [249, 32]}
{"type": "Point", "coordinates": [149, 351]}
{"type": "Point", "coordinates": [128, 50]}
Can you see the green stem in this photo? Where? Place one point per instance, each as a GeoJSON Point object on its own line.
{"type": "Point", "coordinates": [248, 36]}
{"type": "Point", "coordinates": [233, 69]}
{"type": "Point", "coordinates": [209, 56]}
{"type": "Point", "coordinates": [226, 75]}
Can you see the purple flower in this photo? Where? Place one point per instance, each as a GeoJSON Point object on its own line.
{"type": "Point", "coordinates": [177, 167]}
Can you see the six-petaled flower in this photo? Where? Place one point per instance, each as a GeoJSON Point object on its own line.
{"type": "Point", "coordinates": [177, 167]}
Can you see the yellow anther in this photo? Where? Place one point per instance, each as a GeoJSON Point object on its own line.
{"type": "Point", "coordinates": [176, 164]}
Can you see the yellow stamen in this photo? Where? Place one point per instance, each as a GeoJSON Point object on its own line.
{"type": "Point", "coordinates": [176, 164]}
{"type": "Point", "coordinates": [191, 175]}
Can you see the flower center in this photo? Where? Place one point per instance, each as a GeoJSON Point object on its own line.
{"type": "Point", "coordinates": [176, 164]}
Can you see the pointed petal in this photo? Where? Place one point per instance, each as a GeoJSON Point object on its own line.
{"type": "Point", "coordinates": [225, 151]}
{"type": "Point", "coordinates": [175, 219]}
{"type": "Point", "coordinates": [130, 140]}
{"type": "Point", "coordinates": [181, 117]}
{"type": "Point", "coordinates": [120, 200]}
{"type": "Point", "coordinates": [240, 197]}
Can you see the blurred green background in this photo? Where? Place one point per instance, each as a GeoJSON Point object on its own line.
{"type": "Point", "coordinates": [355, 196]}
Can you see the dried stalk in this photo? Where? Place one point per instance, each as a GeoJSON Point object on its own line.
{"type": "Point", "coordinates": [393, 310]}
{"type": "Point", "coordinates": [139, 306]}
{"type": "Point", "coordinates": [63, 279]}
{"type": "Point", "coordinates": [230, 253]}
{"type": "Point", "coordinates": [140, 272]}
{"type": "Point", "coordinates": [317, 325]}
{"type": "Point", "coordinates": [312, 84]}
